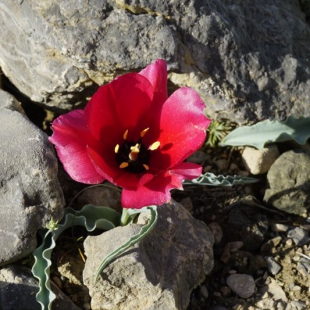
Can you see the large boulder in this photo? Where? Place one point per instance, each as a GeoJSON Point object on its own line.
{"type": "Point", "coordinates": [30, 192]}
{"type": "Point", "coordinates": [248, 60]}
{"type": "Point", "coordinates": [157, 273]}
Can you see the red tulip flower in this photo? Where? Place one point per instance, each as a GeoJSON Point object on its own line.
{"type": "Point", "coordinates": [135, 136]}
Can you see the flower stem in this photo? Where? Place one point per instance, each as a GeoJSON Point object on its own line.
{"type": "Point", "coordinates": [125, 217]}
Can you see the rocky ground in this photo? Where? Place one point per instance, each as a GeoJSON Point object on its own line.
{"type": "Point", "coordinates": [262, 255]}
{"type": "Point", "coordinates": [270, 246]}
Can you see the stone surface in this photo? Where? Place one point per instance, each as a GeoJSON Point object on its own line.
{"type": "Point", "coordinates": [289, 183]}
{"type": "Point", "coordinates": [272, 266]}
{"type": "Point", "coordinates": [18, 290]}
{"type": "Point", "coordinates": [248, 60]}
{"type": "Point", "coordinates": [300, 236]}
{"type": "Point", "coordinates": [246, 223]}
{"type": "Point", "coordinates": [101, 196]}
{"type": "Point", "coordinates": [242, 284]}
{"type": "Point", "coordinates": [259, 161]}
{"type": "Point", "coordinates": [275, 289]}
{"type": "Point", "coordinates": [159, 272]}
{"type": "Point", "coordinates": [30, 192]}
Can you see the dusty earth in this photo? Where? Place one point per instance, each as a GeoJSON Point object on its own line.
{"type": "Point", "coordinates": [246, 233]}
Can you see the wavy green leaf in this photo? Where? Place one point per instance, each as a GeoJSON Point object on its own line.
{"type": "Point", "coordinates": [266, 132]}
{"type": "Point", "coordinates": [220, 180]}
{"type": "Point", "coordinates": [146, 229]}
{"type": "Point", "coordinates": [91, 217]}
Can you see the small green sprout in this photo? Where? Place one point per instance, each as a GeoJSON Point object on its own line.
{"type": "Point", "coordinates": [217, 131]}
{"type": "Point", "coordinates": [52, 224]}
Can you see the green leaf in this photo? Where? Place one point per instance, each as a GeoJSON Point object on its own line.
{"type": "Point", "coordinates": [266, 132]}
{"type": "Point", "coordinates": [146, 229]}
{"type": "Point", "coordinates": [91, 217]}
{"type": "Point", "coordinates": [220, 180]}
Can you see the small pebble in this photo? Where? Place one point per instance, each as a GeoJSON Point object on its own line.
{"type": "Point", "coordinates": [270, 244]}
{"type": "Point", "coordinates": [233, 167]}
{"type": "Point", "coordinates": [216, 231]}
{"type": "Point", "coordinates": [204, 292]}
{"type": "Point", "coordinates": [235, 245]}
{"type": "Point", "coordinates": [289, 242]}
{"type": "Point", "coordinates": [299, 236]}
{"type": "Point", "coordinates": [225, 290]}
{"type": "Point", "coordinates": [242, 284]}
{"type": "Point", "coordinates": [221, 163]}
{"type": "Point", "coordinates": [272, 266]}
{"type": "Point", "coordinates": [279, 227]}
{"type": "Point", "coordinates": [232, 271]}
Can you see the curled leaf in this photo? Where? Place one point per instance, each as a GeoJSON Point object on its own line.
{"type": "Point", "coordinates": [91, 217]}
{"type": "Point", "coordinates": [266, 132]}
{"type": "Point", "coordinates": [220, 180]}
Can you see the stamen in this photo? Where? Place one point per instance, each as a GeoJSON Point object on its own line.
{"type": "Point", "coordinates": [116, 148]}
{"type": "Point", "coordinates": [133, 155]}
{"type": "Point", "coordinates": [125, 134]}
{"type": "Point", "coordinates": [146, 167]}
{"type": "Point", "coordinates": [143, 132]}
{"type": "Point", "coordinates": [154, 146]}
{"type": "Point", "coordinates": [135, 148]}
{"type": "Point", "coordinates": [123, 165]}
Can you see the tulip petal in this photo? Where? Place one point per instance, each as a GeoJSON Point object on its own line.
{"type": "Point", "coordinates": [71, 137]}
{"type": "Point", "coordinates": [156, 190]}
{"type": "Point", "coordinates": [183, 128]}
{"type": "Point", "coordinates": [188, 170]}
{"type": "Point", "coordinates": [156, 73]}
{"type": "Point", "coordinates": [119, 106]}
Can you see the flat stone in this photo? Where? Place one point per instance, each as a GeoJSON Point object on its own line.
{"type": "Point", "coordinates": [173, 258]}
{"type": "Point", "coordinates": [242, 284]}
{"type": "Point", "coordinates": [30, 192]}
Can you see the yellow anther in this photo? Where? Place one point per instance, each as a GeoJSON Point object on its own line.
{"type": "Point", "coordinates": [146, 167]}
{"type": "Point", "coordinates": [125, 134]}
{"type": "Point", "coordinates": [116, 148]}
{"type": "Point", "coordinates": [133, 155]}
{"type": "Point", "coordinates": [154, 146]}
{"type": "Point", "coordinates": [123, 165]}
{"type": "Point", "coordinates": [135, 148]}
{"type": "Point", "coordinates": [143, 132]}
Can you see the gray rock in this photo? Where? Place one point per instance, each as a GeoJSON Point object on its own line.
{"type": "Point", "coordinates": [300, 236]}
{"type": "Point", "coordinates": [273, 288]}
{"type": "Point", "coordinates": [247, 64]}
{"type": "Point", "coordinates": [242, 284]}
{"type": "Point", "coordinates": [272, 266]}
{"type": "Point", "coordinates": [259, 161]}
{"type": "Point", "coordinates": [289, 184]}
{"type": "Point", "coordinates": [158, 273]}
{"type": "Point", "coordinates": [18, 290]}
{"type": "Point", "coordinates": [30, 192]}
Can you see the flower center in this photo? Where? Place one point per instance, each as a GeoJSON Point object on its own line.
{"type": "Point", "coordinates": [134, 156]}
